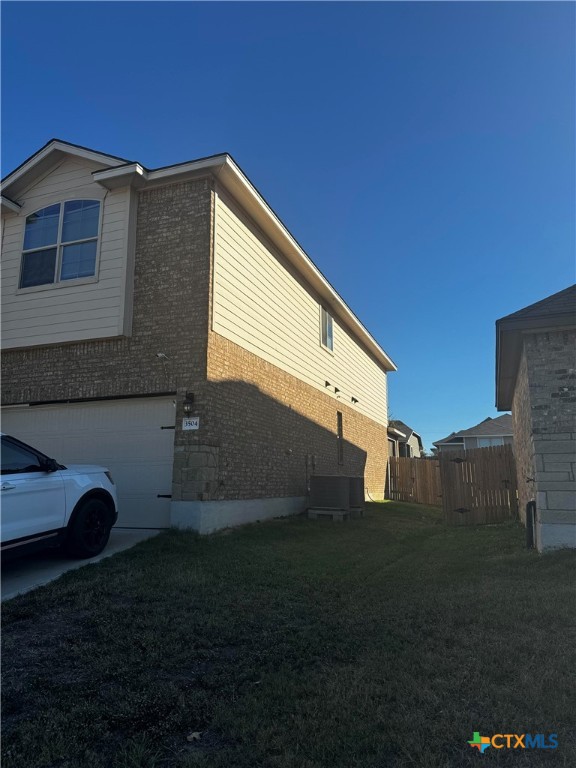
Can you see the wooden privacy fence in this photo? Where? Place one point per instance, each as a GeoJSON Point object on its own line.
{"type": "Point", "coordinates": [415, 480]}
{"type": "Point", "coordinates": [474, 487]}
{"type": "Point", "coordinates": [479, 486]}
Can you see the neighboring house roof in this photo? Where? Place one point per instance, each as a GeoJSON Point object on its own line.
{"type": "Point", "coordinates": [553, 313]}
{"type": "Point", "coordinates": [403, 432]}
{"type": "Point", "coordinates": [119, 172]}
{"type": "Point", "coordinates": [499, 427]}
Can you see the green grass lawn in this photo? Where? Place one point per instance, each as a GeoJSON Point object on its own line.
{"type": "Point", "coordinates": [384, 641]}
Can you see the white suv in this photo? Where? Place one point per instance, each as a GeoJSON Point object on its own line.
{"type": "Point", "coordinates": [46, 504]}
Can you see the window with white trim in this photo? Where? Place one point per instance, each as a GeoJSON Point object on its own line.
{"type": "Point", "coordinates": [326, 329]}
{"type": "Point", "coordinates": [60, 243]}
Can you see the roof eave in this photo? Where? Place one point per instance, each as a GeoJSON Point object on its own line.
{"type": "Point", "coordinates": [10, 206]}
{"type": "Point", "coordinates": [130, 175]}
{"type": "Point", "coordinates": [238, 183]}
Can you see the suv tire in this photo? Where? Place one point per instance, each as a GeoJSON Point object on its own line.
{"type": "Point", "coordinates": [89, 529]}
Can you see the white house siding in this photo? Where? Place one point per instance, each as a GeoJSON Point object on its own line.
{"type": "Point", "coordinates": [263, 306]}
{"type": "Point", "coordinates": [66, 311]}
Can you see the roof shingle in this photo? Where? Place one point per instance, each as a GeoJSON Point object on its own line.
{"type": "Point", "coordinates": [502, 425]}
{"type": "Point", "coordinates": [561, 303]}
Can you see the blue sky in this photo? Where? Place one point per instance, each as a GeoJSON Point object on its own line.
{"type": "Point", "coordinates": [421, 153]}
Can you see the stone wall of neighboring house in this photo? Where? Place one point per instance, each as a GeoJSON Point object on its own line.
{"type": "Point", "coordinates": [551, 363]}
{"type": "Point", "coordinates": [523, 443]}
{"type": "Point", "coordinates": [170, 315]}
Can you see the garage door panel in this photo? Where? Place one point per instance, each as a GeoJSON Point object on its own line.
{"type": "Point", "coordinates": [157, 477]}
{"type": "Point", "coordinates": [136, 448]}
{"type": "Point", "coordinates": [103, 415]}
{"type": "Point", "coordinates": [124, 435]}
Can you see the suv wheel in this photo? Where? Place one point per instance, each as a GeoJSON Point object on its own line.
{"type": "Point", "coordinates": [89, 529]}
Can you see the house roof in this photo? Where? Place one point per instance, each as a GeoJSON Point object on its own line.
{"type": "Point", "coordinates": [117, 172]}
{"type": "Point", "coordinates": [45, 158]}
{"type": "Point", "coordinates": [403, 432]}
{"type": "Point", "coordinates": [499, 427]}
{"type": "Point", "coordinates": [557, 304]}
{"type": "Point", "coordinates": [553, 313]}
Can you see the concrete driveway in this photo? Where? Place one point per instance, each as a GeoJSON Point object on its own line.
{"type": "Point", "coordinates": [34, 570]}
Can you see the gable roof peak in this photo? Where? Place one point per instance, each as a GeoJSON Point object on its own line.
{"type": "Point", "coordinates": [46, 157]}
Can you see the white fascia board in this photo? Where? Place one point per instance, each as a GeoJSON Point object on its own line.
{"type": "Point", "coordinates": [10, 205]}
{"type": "Point", "coordinates": [123, 176]}
{"type": "Point", "coordinates": [396, 431]}
{"type": "Point", "coordinates": [209, 163]}
{"type": "Point", "coordinates": [235, 180]}
{"type": "Point", "coordinates": [137, 175]}
{"type": "Point", "coordinates": [86, 154]}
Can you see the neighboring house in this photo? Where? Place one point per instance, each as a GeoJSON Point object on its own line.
{"type": "Point", "coordinates": [536, 378]}
{"type": "Point", "coordinates": [166, 324]}
{"type": "Point", "coordinates": [403, 441]}
{"type": "Point", "coordinates": [489, 432]}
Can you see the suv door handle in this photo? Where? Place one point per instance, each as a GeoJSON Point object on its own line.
{"type": "Point", "coordinates": [7, 487]}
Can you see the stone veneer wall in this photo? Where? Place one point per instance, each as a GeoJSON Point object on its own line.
{"type": "Point", "coordinates": [171, 300]}
{"type": "Point", "coordinates": [260, 424]}
{"type": "Point", "coordinates": [551, 373]}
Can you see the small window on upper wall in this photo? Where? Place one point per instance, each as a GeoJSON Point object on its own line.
{"type": "Point", "coordinates": [327, 330]}
{"type": "Point", "coordinates": [60, 243]}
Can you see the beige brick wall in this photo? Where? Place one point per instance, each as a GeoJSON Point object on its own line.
{"type": "Point", "coordinates": [171, 295]}
{"type": "Point", "coordinates": [265, 423]}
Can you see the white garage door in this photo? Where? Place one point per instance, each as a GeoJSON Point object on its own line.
{"type": "Point", "coordinates": [133, 438]}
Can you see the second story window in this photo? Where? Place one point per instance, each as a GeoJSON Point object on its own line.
{"type": "Point", "coordinates": [60, 243]}
{"type": "Point", "coordinates": [326, 332]}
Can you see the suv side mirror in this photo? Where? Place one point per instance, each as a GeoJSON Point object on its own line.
{"type": "Point", "coordinates": [50, 465]}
